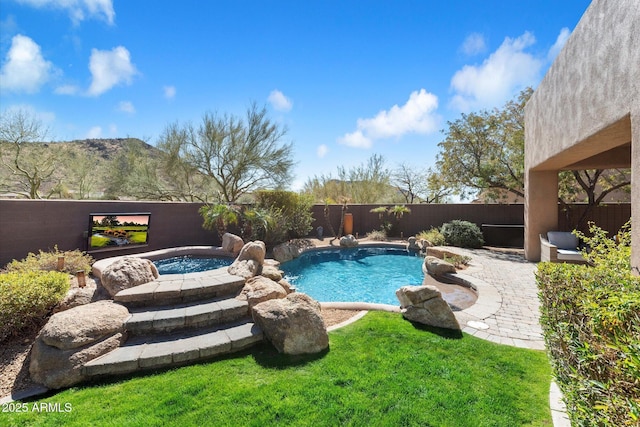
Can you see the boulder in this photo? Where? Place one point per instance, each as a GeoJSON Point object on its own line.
{"type": "Point", "coordinates": [272, 272]}
{"type": "Point", "coordinates": [424, 304]}
{"type": "Point", "coordinates": [288, 287]}
{"type": "Point", "coordinates": [436, 266]}
{"type": "Point", "coordinates": [293, 324]}
{"type": "Point", "coordinates": [249, 261]}
{"type": "Point", "coordinates": [128, 272]}
{"type": "Point", "coordinates": [259, 289]}
{"type": "Point", "coordinates": [76, 297]}
{"type": "Point", "coordinates": [348, 241]}
{"type": "Point", "coordinates": [73, 337]}
{"type": "Point", "coordinates": [286, 252]}
{"type": "Point", "coordinates": [232, 243]}
{"type": "Point", "coordinates": [55, 368]}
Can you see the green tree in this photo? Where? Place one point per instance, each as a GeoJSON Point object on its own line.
{"type": "Point", "coordinates": [29, 163]}
{"type": "Point", "coordinates": [418, 186]}
{"type": "Point", "coordinates": [238, 155]}
{"type": "Point", "coordinates": [484, 151]}
{"type": "Point", "coordinates": [369, 182]}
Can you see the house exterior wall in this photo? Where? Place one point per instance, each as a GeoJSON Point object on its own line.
{"type": "Point", "coordinates": [588, 103]}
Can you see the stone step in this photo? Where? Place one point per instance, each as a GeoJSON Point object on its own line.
{"type": "Point", "coordinates": [201, 314]}
{"type": "Point", "coordinates": [175, 349]}
{"type": "Point", "coordinates": [177, 288]}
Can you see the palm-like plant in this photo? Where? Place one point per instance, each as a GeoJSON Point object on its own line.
{"type": "Point", "coordinates": [219, 217]}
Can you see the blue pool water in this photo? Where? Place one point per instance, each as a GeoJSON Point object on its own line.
{"type": "Point", "coordinates": [350, 275]}
{"type": "Point", "coordinates": [189, 264]}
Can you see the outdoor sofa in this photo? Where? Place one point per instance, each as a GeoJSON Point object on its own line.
{"type": "Point", "coordinates": [560, 246]}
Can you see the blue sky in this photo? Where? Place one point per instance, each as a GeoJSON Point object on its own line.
{"type": "Point", "coordinates": [347, 78]}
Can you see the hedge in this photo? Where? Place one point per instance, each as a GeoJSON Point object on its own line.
{"type": "Point", "coordinates": [590, 316]}
{"type": "Point", "coordinates": [27, 297]}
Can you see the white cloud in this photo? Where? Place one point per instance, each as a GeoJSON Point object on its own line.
{"type": "Point", "coordinates": [110, 68]}
{"type": "Point", "coordinates": [417, 115]}
{"type": "Point", "coordinates": [78, 10]}
{"type": "Point", "coordinates": [126, 107]}
{"type": "Point", "coordinates": [169, 92]}
{"type": "Point", "coordinates": [559, 44]}
{"type": "Point", "coordinates": [24, 69]}
{"type": "Point", "coordinates": [322, 150]}
{"type": "Point", "coordinates": [279, 101]}
{"type": "Point", "coordinates": [474, 44]}
{"type": "Point", "coordinates": [508, 69]}
{"type": "Point", "coordinates": [94, 133]}
{"type": "Point", "coordinates": [67, 90]}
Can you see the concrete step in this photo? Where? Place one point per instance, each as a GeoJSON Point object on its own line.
{"type": "Point", "coordinates": [200, 314]}
{"type": "Point", "coordinates": [178, 288]}
{"type": "Point", "coordinates": [174, 349]}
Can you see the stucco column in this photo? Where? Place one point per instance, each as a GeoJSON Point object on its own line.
{"type": "Point", "coordinates": [540, 209]}
{"type": "Point", "coordinates": [635, 191]}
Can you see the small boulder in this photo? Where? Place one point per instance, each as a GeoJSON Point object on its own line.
{"type": "Point", "coordinates": [294, 324]}
{"type": "Point", "coordinates": [272, 272]}
{"type": "Point", "coordinates": [348, 241]}
{"type": "Point", "coordinates": [259, 289]}
{"type": "Point", "coordinates": [424, 304]}
{"type": "Point", "coordinates": [249, 261]}
{"type": "Point", "coordinates": [436, 266]}
{"type": "Point", "coordinates": [76, 297]}
{"type": "Point", "coordinates": [128, 272]}
{"type": "Point", "coordinates": [232, 243]}
{"type": "Point", "coordinates": [72, 338]}
{"type": "Point", "coordinates": [286, 252]}
{"type": "Point", "coordinates": [440, 252]}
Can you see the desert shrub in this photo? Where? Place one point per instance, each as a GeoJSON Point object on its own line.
{"type": "Point", "coordinates": [293, 211]}
{"type": "Point", "coordinates": [377, 235]}
{"type": "Point", "coordinates": [27, 297]}
{"type": "Point", "coordinates": [433, 236]}
{"type": "Point", "coordinates": [590, 316]}
{"type": "Point", "coordinates": [48, 261]}
{"type": "Point", "coordinates": [458, 261]}
{"type": "Point", "coordinates": [463, 234]}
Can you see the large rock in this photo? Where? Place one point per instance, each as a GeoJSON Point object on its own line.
{"type": "Point", "coordinates": [84, 325]}
{"type": "Point", "coordinates": [271, 270]}
{"type": "Point", "coordinates": [286, 252]}
{"type": "Point", "coordinates": [293, 324]}
{"type": "Point", "coordinates": [76, 297]}
{"type": "Point", "coordinates": [128, 272]}
{"type": "Point", "coordinates": [232, 243]}
{"type": "Point", "coordinates": [436, 266]}
{"type": "Point", "coordinates": [424, 304]}
{"type": "Point", "coordinates": [249, 261]}
{"type": "Point", "coordinates": [348, 241]}
{"type": "Point", "coordinates": [72, 338]}
{"type": "Point", "coordinates": [259, 289]}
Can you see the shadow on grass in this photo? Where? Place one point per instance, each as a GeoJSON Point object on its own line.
{"type": "Point", "coordinates": [268, 357]}
{"type": "Point", "coordinates": [442, 332]}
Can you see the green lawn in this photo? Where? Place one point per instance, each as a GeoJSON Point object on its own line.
{"type": "Point", "coordinates": [380, 371]}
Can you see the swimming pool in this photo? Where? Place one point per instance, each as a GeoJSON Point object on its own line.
{"type": "Point", "coordinates": [190, 264]}
{"type": "Point", "coordinates": [371, 274]}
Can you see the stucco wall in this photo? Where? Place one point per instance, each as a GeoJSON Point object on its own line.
{"type": "Point", "coordinates": [592, 84]}
{"type": "Point", "coordinates": [588, 103]}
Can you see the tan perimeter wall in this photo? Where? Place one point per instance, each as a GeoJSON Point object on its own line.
{"type": "Point", "coordinates": [32, 225]}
